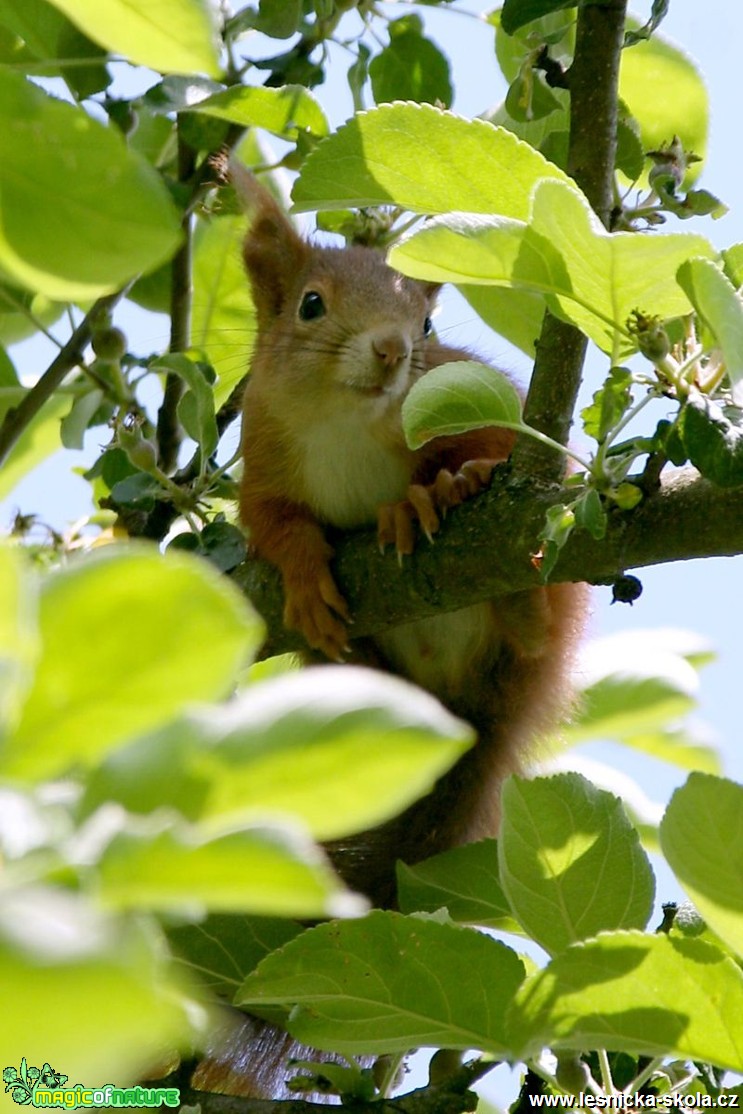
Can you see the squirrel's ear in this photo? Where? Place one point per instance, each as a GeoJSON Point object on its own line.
{"type": "Point", "coordinates": [432, 290]}
{"type": "Point", "coordinates": [274, 252]}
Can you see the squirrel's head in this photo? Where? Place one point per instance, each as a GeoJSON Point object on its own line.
{"type": "Point", "coordinates": [337, 319]}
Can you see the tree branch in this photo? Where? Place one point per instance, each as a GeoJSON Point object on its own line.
{"type": "Point", "coordinates": [484, 550]}
{"type": "Point", "coordinates": [593, 80]}
{"type": "Point", "coordinates": [453, 1096]}
{"type": "Point", "coordinates": [168, 426]}
{"type": "Point", "coordinates": [18, 418]}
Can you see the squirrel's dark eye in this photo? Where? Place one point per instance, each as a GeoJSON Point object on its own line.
{"type": "Point", "coordinates": [311, 306]}
{"type": "Point", "coordinates": [427, 327]}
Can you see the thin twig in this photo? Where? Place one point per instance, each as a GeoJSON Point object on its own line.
{"type": "Point", "coordinates": [18, 418]}
{"type": "Point", "coordinates": [168, 427]}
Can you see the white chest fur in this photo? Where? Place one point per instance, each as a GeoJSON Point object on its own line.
{"type": "Point", "coordinates": [348, 471]}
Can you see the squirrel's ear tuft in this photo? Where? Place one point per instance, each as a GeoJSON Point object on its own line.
{"type": "Point", "coordinates": [274, 252]}
{"type": "Point", "coordinates": [431, 290]}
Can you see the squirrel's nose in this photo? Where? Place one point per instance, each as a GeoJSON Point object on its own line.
{"type": "Point", "coordinates": [391, 349]}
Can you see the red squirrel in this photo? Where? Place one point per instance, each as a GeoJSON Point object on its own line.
{"type": "Point", "coordinates": [341, 338]}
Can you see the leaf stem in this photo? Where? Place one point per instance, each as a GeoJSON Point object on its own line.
{"type": "Point", "coordinates": [564, 450]}
{"type": "Point", "coordinates": [642, 1077]}
{"type": "Point", "coordinates": [606, 1076]}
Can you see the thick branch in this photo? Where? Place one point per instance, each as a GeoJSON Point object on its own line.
{"type": "Point", "coordinates": [451, 1097]}
{"type": "Point", "coordinates": [593, 82]}
{"type": "Point", "coordinates": [594, 100]}
{"type": "Point", "coordinates": [485, 547]}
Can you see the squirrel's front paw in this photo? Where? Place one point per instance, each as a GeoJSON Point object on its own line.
{"type": "Point", "coordinates": [427, 504]}
{"type": "Point", "coordinates": [315, 608]}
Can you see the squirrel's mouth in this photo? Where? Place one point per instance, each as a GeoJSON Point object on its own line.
{"type": "Point", "coordinates": [369, 390]}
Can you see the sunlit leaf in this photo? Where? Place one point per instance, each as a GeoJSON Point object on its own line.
{"type": "Point", "coordinates": [464, 881]}
{"type": "Point", "coordinates": [341, 749]}
{"type": "Point", "coordinates": [702, 838]}
{"type": "Point", "coordinates": [570, 861]}
{"type": "Point", "coordinates": [172, 36]}
{"type": "Point", "coordinates": [456, 397]}
{"type": "Point", "coordinates": [631, 992]}
{"type": "Point", "coordinates": [257, 870]}
{"type": "Point", "coordinates": [349, 987]}
{"type": "Point", "coordinates": [57, 954]}
{"type": "Point", "coordinates": [412, 156]}
{"type": "Point", "coordinates": [122, 652]}
{"type": "Point", "coordinates": [61, 234]}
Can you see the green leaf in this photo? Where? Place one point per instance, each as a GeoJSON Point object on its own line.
{"type": "Point", "coordinates": [196, 408]}
{"type": "Point", "coordinates": [590, 513]}
{"type": "Point", "coordinates": [666, 94]}
{"type": "Point", "coordinates": [172, 36]}
{"type": "Point", "coordinates": [702, 838]}
{"type": "Point", "coordinates": [20, 315]}
{"type": "Point", "coordinates": [633, 686]}
{"type": "Point", "coordinates": [529, 97]}
{"type": "Point", "coordinates": [52, 162]}
{"type": "Point", "coordinates": [463, 881]}
{"type": "Point", "coordinates": [571, 863]}
{"type": "Point", "coordinates": [559, 524]}
{"type": "Point", "coordinates": [468, 248]}
{"type": "Point", "coordinates": [658, 13]}
{"type": "Point", "coordinates": [339, 749]}
{"type": "Point", "coordinates": [516, 13]}
{"type": "Point", "coordinates": [630, 157]}
{"type": "Point", "coordinates": [267, 870]}
{"type": "Point", "coordinates": [75, 424]}
{"type": "Point", "coordinates": [138, 490]}
{"type": "Point", "coordinates": [51, 38]}
{"type": "Point", "coordinates": [591, 277]}
{"type": "Point", "coordinates": [685, 747]}
{"type": "Point", "coordinates": [716, 301]}
{"type": "Point", "coordinates": [350, 990]}
{"type": "Point", "coordinates": [456, 397]}
{"type": "Point", "coordinates": [358, 74]}
{"type": "Point", "coordinates": [410, 68]}
{"type": "Point", "coordinates": [610, 274]}
{"type": "Point", "coordinates": [713, 439]}
{"type": "Point", "coordinates": [516, 314]}
{"type": "Point", "coordinates": [123, 635]}
{"type": "Point", "coordinates": [57, 954]}
{"type": "Point", "coordinates": [630, 992]}
{"type": "Point", "coordinates": [223, 318]}
{"type": "Point", "coordinates": [285, 112]}
{"type": "Point", "coordinates": [609, 404]}
{"type": "Point", "coordinates": [412, 156]}
{"type": "Point", "coordinates": [19, 641]}
{"type": "Point", "coordinates": [279, 19]}
{"type": "Point", "coordinates": [8, 376]}
{"type": "Point", "coordinates": [732, 259]}
{"type": "Point", "coordinates": [224, 545]}
{"type": "Point", "coordinates": [223, 948]}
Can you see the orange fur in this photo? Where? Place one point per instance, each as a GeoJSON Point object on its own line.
{"type": "Point", "coordinates": [323, 447]}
